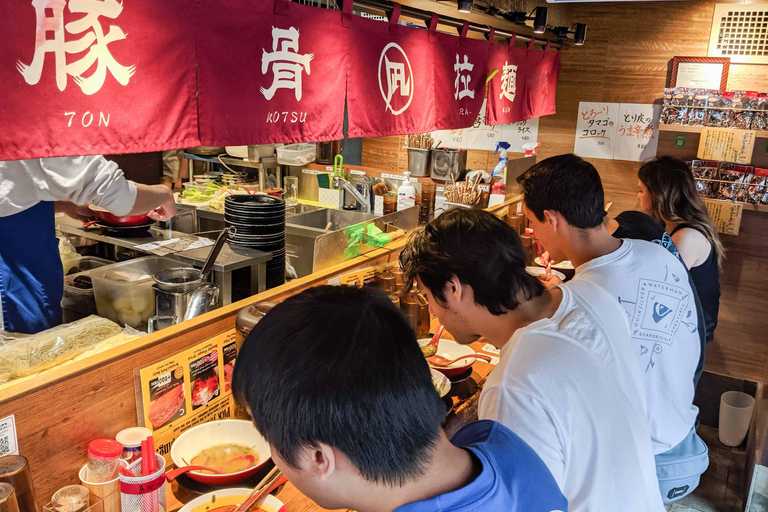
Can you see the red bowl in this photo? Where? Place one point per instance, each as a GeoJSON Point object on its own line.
{"type": "Point", "coordinates": [110, 219]}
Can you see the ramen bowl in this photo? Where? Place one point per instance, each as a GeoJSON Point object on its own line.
{"type": "Point", "coordinates": [238, 432]}
{"type": "Point", "coordinates": [224, 500]}
{"type": "Point", "coordinates": [450, 350]}
{"type": "Point", "coordinates": [565, 266]}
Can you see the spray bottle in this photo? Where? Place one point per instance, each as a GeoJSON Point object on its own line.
{"type": "Point", "coordinates": [501, 148]}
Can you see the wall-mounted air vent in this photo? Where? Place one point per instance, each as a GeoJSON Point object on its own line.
{"type": "Point", "coordinates": [740, 32]}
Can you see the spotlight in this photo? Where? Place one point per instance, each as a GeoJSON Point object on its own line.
{"type": "Point", "coordinates": [580, 34]}
{"type": "Point", "coordinates": [579, 31]}
{"type": "Point", "coordinates": [539, 20]}
{"type": "Point", "coordinates": [465, 5]}
{"type": "Point", "coordinates": [538, 15]}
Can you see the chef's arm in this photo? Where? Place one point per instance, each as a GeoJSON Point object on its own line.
{"type": "Point", "coordinates": [155, 199]}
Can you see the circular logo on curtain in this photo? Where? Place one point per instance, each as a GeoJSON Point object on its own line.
{"type": "Point", "coordinates": [395, 79]}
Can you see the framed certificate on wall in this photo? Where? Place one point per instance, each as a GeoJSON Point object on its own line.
{"type": "Point", "coordinates": [700, 72]}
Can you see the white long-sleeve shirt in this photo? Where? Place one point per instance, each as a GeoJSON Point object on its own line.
{"type": "Point", "coordinates": [80, 179]}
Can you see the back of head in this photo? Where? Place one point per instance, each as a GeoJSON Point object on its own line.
{"type": "Point", "coordinates": [341, 366]}
{"type": "Point", "coordinates": [674, 197]}
{"type": "Point", "coordinates": [566, 184]}
{"type": "Point", "coordinates": [479, 249]}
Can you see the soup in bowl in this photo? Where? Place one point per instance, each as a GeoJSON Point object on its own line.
{"type": "Point", "coordinates": [227, 500]}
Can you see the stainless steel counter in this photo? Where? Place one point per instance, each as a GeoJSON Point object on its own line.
{"type": "Point", "coordinates": [229, 260]}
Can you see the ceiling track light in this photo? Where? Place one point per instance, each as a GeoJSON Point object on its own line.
{"type": "Point", "coordinates": [579, 31]}
{"type": "Point", "coordinates": [538, 15]}
{"type": "Point", "coordinates": [465, 5]}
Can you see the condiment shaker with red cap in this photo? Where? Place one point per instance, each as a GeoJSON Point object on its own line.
{"type": "Point", "coordinates": [103, 460]}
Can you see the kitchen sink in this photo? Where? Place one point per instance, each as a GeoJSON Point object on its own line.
{"type": "Point", "coordinates": [299, 209]}
{"type": "Point", "coordinates": [327, 220]}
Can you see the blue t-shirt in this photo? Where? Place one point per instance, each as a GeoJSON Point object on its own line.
{"type": "Point", "coordinates": [513, 478]}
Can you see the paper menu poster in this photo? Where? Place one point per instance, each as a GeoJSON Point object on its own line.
{"type": "Point", "coordinates": [728, 145]}
{"type": "Point", "coordinates": [484, 137]}
{"type": "Point", "coordinates": [187, 389]}
{"type": "Point", "coordinates": [725, 215]}
{"type": "Point", "coordinates": [596, 126]}
{"type": "Point", "coordinates": [637, 132]}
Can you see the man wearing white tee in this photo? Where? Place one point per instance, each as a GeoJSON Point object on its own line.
{"type": "Point", "coordinates": [561, 384]}
{"type": "Point", "coordinates": [564, 202]}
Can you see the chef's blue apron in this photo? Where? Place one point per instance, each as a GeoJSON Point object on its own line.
{"type": "Point", "coordinates": [31, 275]}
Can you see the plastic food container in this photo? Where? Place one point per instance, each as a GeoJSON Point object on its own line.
{"type": "Point", "coordinates": [296, 154]}
{"type": "Point", "coordinates": [131, 439]}
{"type": "Point", "coordinates": [123, 291]}
{"type": "Point", "coordinates": [86, 263]}
{"type": "Point", "coordinates": [103, 460]}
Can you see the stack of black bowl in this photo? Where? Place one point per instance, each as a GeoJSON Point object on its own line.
{"type": "Point", "coordinates": [260, 224]}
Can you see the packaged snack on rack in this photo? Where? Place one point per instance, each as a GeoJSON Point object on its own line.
{"type": "Point", "coordinates": [762, 101]}
{"type": "Point", "coordinates": [756, 186]}
{"type": "Point", "coordinates": [733, 179]}
{"type": "Point", "coordinates": [673, 115]}
{"type": "Point", "coordinates": [726, 100]}
{"type": "Point", "coordinates": [750, 100]}
{"type": "Point", "coordinates": [716, 117]}
{"type": "Point", "coordinates": [712, 98]}
{"type": "Point", "coordinates": [697, 116]}
{"type": "Point", "coordinates": [705, 170]}
{"type": "Point", "coordinates": [760, 121]}
{"type": "Point", "coordinates": [669, 95]}
{"type": "Point", "coordinates": [699, 98]}
{"type": "Point", "coordinates": [680, 97]}
{"type": "Point", "coordinates": [741, 119]}
{"type": "Point", "coordinates": [738, 101]}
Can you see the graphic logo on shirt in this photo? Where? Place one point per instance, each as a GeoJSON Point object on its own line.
{"type": "Point", "coordinates": [659, 310]}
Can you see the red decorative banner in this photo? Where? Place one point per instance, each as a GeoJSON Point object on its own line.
{"type": "Point", "coordinates": [524, 86]}
{"type": "Point", "coordinates": [83, 77]}
{"type": "Point", "coordinates": [460, 67]}
{"type": "Point", "coordinates": [391, 81]}
{"type": "Point", "coordinates": [270, 71]}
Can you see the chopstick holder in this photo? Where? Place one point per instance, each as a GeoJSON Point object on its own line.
{"type": "Point", "coordinates": [143, 493]}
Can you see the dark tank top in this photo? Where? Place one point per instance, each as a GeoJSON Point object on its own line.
{"type": "Point", "coordinates": [707, 279]}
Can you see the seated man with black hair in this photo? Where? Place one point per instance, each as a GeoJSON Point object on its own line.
{"type": "Point", "coordinates": [563, 198]}
{"type": "Point", "coordinates": [338, 386]}
{"type": "Point", "coordinates": [561, 383]}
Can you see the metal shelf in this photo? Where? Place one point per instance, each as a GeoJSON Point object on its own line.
{"type": "Point", "coordinates": [229, 160]}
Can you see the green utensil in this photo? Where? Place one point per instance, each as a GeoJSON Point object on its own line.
{"type": "Point", "coordinates": [338, 166]}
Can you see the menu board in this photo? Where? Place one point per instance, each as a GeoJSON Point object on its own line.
{"type": "Point", "coordinates": [637, 133]}
{"type": "Point", "coordinates": [728, 145]}
{"type": "Point", "coordinates": [725, 215]}
{"type": "Point", "coordinates": [596, 126]}
{"type": "Point", "coordinates": [187, 389]}
{"type": "Point", "coordinates": [484, 137]}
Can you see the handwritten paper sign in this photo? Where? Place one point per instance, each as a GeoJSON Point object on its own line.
{"type": "Point", "coordinates": [484, 137]}
{"type": "Point", "coordinates": [596, 127]}
{"type": "Point", "coordinates": [727, 145]}
{"type": "Point", "coordinates": [725, 215]}
{"type": "Point", "coordinates": [637, 133]}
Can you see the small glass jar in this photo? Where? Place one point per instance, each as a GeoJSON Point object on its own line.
{"type": "Point", "coordinates": [72, 498]}
{"type": "Point", "coordinates": [131, 439]}
{"type": "Point", "coordinates": [103, 460]}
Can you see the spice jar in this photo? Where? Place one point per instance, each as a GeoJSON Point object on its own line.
{"type": "Point", "coordinates": [72, 498]}
{"type": "Point", "coordinates": [103, 458]}
{"type": "Point", "coordinates": [131, 439]}
{"type": "Point", "coordinates": [247, 318]}
{"type": "Point", "coordinates": [14, 469]}
{"type": "Point", "coordinates": [8, 501]}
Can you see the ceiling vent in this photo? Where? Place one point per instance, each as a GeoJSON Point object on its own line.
{"type": "Point", "coordinates": [740, 32]}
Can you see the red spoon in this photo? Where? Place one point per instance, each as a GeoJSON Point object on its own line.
{"type": "Point", "coordinates": [442, 362]}
{"type": "Point", "coordinates": [174, 474]}
{"type": "Point", "coordinates": [430, 349]}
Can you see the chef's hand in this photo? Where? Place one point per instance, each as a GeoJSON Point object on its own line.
{"type": "Point", "coordinates": [155, 200]}
{"type": "Point", "coordinates": [81, 213]}
{"type": "Point", "coordinates": [549, 280]}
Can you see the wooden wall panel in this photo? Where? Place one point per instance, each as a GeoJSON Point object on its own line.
{"type": "Point", "coordinates": [627, 59]}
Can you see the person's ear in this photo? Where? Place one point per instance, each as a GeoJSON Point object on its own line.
{"type": "Point", "coordinates": [455, 290]}
{"type": "Point", "coordinates": [321, 461]}
{"type": "Point", "coordinates": [552, 219]}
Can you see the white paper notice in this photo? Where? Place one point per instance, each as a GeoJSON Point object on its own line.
{"type": "Point", "coordinates": [9, 444]}
{"type": "Point", "coordinates": [596, 130]}
{"type": "Point", "coordinates": [485, 137]}
{"type": "Point", "coordinates": [637, 133]}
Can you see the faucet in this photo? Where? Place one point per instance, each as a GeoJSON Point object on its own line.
{"type": "Point", "coordinates": [364, 202]}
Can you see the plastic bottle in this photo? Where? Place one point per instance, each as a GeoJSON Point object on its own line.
{"type": "Point", "coordinates": [501, 148]}
{"type": "Point", "coordinates": [406, 193]}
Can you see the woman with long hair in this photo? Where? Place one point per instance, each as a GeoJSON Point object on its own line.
{"type": "Point", "coordinates": [667, 192]}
